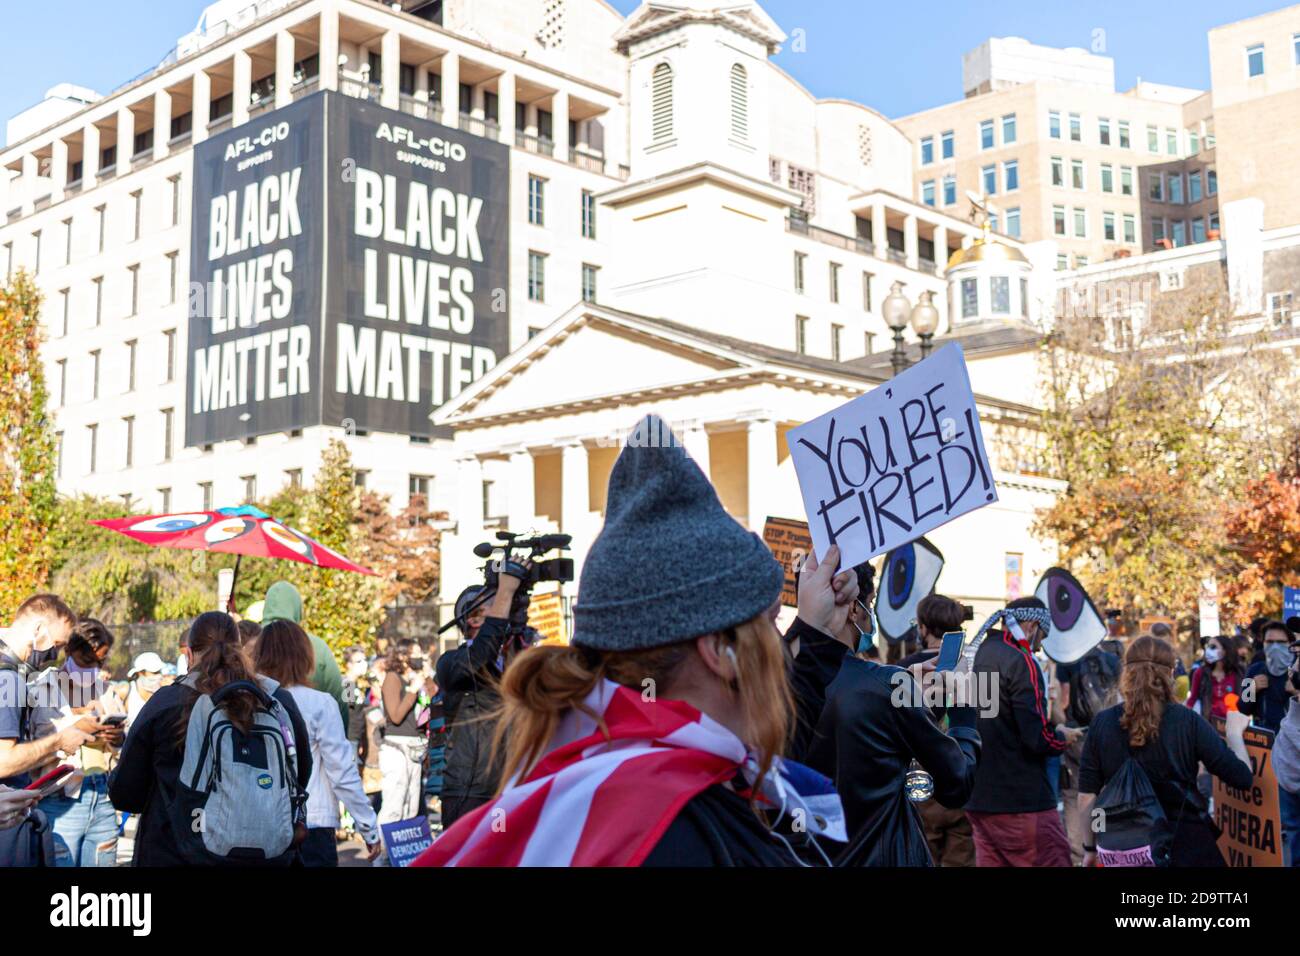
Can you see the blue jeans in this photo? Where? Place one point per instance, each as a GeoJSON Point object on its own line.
{"type": "Point", "coordinates": [85, 829]}
{"type": "Point", "coordinates": [1289, 805]}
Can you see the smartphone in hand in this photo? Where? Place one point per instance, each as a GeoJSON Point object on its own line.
{"type": "Point", "coordinates": [950, 650]}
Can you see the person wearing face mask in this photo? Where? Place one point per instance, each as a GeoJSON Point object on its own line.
{"type": "Point", "coordinates": [654, 738]}
{"type": "Point", "coordinates": [1218, 677]}
{"type": "Point", "coordinates": [1168, 742]}
{"type": "Point", "coordinates": [146, 677]}
{"type": "Point", "coordinates": [1265, 697]}
{"type": "Point", "coordinates": [39, 630]}
{"type": "Point", "coordinates": [1286, 756]}
{"type": "Point", "coordinates": [1012, 809]}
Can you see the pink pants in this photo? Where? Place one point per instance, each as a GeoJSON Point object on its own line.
{"type": "Point", "coordinates": [1019, 839]}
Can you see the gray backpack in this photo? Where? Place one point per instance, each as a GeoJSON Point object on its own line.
{"type": "Point", "coordinates": [238, 797]}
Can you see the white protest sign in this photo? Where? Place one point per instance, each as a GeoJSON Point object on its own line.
{"type": "Point", "coordinates": [895, 463]}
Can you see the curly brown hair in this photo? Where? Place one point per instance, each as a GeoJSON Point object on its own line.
{"type": "Point", "coordinates": [1147, 685]}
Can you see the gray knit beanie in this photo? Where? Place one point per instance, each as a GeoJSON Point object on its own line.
{"type": "Point", "coordinates": [669, 564]}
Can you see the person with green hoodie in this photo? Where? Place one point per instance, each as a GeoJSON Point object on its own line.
{"type": "Point", "coordinates": [284, 603]}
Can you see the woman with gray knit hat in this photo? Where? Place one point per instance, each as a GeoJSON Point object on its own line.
{"type": "Point", "coordinates": [655, 737]}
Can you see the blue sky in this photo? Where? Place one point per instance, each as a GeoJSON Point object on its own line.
{"type": "Point", "coordinates": [896, 58]}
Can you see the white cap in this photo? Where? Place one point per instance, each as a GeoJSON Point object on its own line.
{"type": "Point", "coordinates": [148, 661]}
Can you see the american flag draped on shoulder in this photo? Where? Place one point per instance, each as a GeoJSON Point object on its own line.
{"type": "Point", "coordinates": [602, 798]}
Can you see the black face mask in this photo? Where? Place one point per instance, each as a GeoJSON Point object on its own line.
{"type": "Point", "coordinates": [39, 660]}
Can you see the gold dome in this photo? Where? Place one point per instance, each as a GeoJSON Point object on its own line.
{"type": "Point", "coordinates": [986, 249]}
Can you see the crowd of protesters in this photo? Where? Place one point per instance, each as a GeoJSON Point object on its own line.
{"type": "Point", "coordinates": [678, 727]}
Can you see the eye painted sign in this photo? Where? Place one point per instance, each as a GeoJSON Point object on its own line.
{"type": "Point", "coordinates": [1077, 626]}
{"type": "Point", "coordinates": [910, 573]}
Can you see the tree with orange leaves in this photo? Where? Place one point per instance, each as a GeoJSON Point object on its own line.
{"type": "Point", "coordinates": [1263, 533]}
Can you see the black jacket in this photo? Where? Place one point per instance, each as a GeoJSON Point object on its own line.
{"type": "Point", "coordinates": [872, 727]}
{"type": "Point", "coordinates": [717, 827]}
{"type": "Point", "coordinates": [1015, 729]}
{"type": "Point", "coordinates": [819, 660]}
{"type": "Point", "coordinates": [1270, 704]}
{"type": "Point", "coordinates": [144, 780]}
{"type": "Point", "coordinates": [468, 679]}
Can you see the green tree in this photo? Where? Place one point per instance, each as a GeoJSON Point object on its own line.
{"type": "Point", "coordinates": [28, 456]}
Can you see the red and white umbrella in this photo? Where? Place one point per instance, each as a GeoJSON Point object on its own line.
{"type": "Point", "coordinates": [237, 531]}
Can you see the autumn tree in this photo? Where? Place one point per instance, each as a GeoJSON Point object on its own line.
{"type": "Point", "coordinates": [1263, 539]}
{"type": "Point", "coordinates": [1144, 422]}
{"type": "Point", "coordinates": [28, 456]}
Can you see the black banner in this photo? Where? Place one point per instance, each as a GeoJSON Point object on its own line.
{"type": "Point", "coordinates": [349, 266]}
{"type": "Point", "coordinates": [416, 303]}
{"type": "Point", "coordinates": [256, 254]}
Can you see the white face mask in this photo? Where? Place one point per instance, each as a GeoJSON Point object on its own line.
{"type": "Point", "coordinates": [1213, 654]}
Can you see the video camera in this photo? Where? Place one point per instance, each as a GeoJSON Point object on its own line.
{"type": "Point", "coordinates": [519, 557]}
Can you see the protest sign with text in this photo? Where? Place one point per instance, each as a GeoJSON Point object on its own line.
{"type": "Point", "coordinates": [790, 544]}
{"type": "Point", "coordinates": [890, 465]}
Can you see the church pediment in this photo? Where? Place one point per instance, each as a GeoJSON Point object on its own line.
{"type": "Point", "coordinates": [652, 18]}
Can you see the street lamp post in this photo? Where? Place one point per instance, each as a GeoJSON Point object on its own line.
{"type": "Point", "coordinates": [925, 321]}
{"type": "Point", "coordinates": [896, 309]}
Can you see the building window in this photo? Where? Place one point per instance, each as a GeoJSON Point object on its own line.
{"type": "Point", "coordinates": [799, 260]}
{"type": "Point", "coordinates": [1058, 171]}
{"type": "Point", "coordinates": [63, 312]}
{"type": "Point", "coordinates": [804, 182]}
{"type": "Point", "coordinates": [172, 263]}
{"type": "Point", "coordinates": [1081, 223]}
{"type": "Point", "coordinates": [739, 102]}
{"type": "Point", "coordinates": [1076, 128]}
{"type": "Point", "coordinates": [137, 204]}
{"type": "Point", "coordinates": [1130, 227]}
{"type": "Point", "coordinates": [1103, 131]}
{"type": "Point", "coordinates": [176, 199]}
{"type": "Point", "coordinates": [1107, 178]}
{"type": "Point", "coordinates": [1153, 139]}
{"type": "Point", "coordinates": [989, 180]}
{"type": "Point", "coordinates": [833, 281]}
{"type": "Point", "coordinates": [1126, 180]}
{"type": "Point", "coordinates": [1193, 142]}
{"type": "Point", "coordinates": [99, 300]}
{"type": "Point", "coordinates": [589, 282]}
{"type": "Point", "coordinates": [1157, 187]}
{"type": "Point", "coordinates": [1255, 60]}
{"type": "Point", "coordinates": [801, 334]}
{"type": "Point", "coordinates": [869, 342]}
{"type": "Point", "coordinates": [165, 496]}
{"type": "Point", "coordinates": [986, 134]}
{"type": "Point", "coordinates": [927, 150]}
{"type": "Point", "coordinates": [1076, 173]}
{"type": "Point", "coordinates": [949, 190]}
{"type": "Point", "coordinates": [135, 289]}
{"type": "Point", "coordinates": [94, 374]}
{"type": "Point", "coordinates": [167, 416]}
{"type": "Point", "coordinates": [866, 292]}
{"type": "Point", "coordinates": [1080, 261]}
{"type": "Point", "coordinates": [1279, 307]}
{"type": "Point", "coordinates": [1179, 228]}
{"type": "Point", "coordinates": [1000, 295]}
{"type": "Point", "coordinates": [946, 144]}
{"type": "Point", "coordinates": [1008, 129]}
{"type": "Point", "coordinates": [1062, 262]}
{"type": "Point", "coordinates": [67, 242]}
{"type": "Point", "coordinates": [1013, 222]}
{"type": "Point", "coordinates": [970, 301]}
{"type": "Point", "coordinates": [1157, 230]}
{"type": "Point", "coordinates": [1054, 124]}
{"type": "Point", "coordinates": [1058, 220]}
{"type": "Point", "coordinates": [205, 487]}
{"type": "Point", "coordinates": [1108, 226]}
{"type": "Point", "coordinates": [661, 103]}
{"type": "Point", "coordinates": [1214, 223]}
{"type": "Point", "coordinates": [537, 200]}
{"type": "Point", "coordinates": [588, 214]}
{"type": "Point", "coordinates": [1198, 229]}
{"type": "Point", "coordinates": [130, 365]}
{"type": "Point", "coordinates": [99, 226]}
{"type": "Point", "coordinates": [63, 383]}
{"type": "Point", "coordinates": [1124, 141]}
{"type": "Point", "coordinates": [1212, 182]}
{"type": "Point", "coordinates": [1176, 188]}
{"type": "Point", "coordinates": [1171, 142]}
{"type": "Point", "coordinates": [1194, 186]}
{"type": "Point", "coordinates": [1024, 298]}
{"type": "Point", "coordinates": [1295, 42]}
{"type": "Point", "coordinates": [170, 337]}
{"type": "Point", "coordinates": [360, 476]}
{"type": "Point", "coordinates": [927, 192]}
{"type": "Point", "coordinates": [250, 488]}
{"type": "Point", "coordinates": [92, 438]}
{"type": "Point", "coordinates": [36, 238]}
{"type": "Point", "coordinates": [536, 277]}
{"type": "Point", "coordinates": [1011, 174]}
{"type": "Point", "coordinates": [128, 427]}
{"type": "Point", "coordinates": [837, 335]}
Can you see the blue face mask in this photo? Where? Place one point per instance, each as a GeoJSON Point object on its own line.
{"type": "Point", "coordinates": [1278, 658]}
{"type": "Point", "coordinates": [866, 638]}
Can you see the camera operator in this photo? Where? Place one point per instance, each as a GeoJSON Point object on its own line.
{"type": "Point", "coordinates": [469, 677]}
